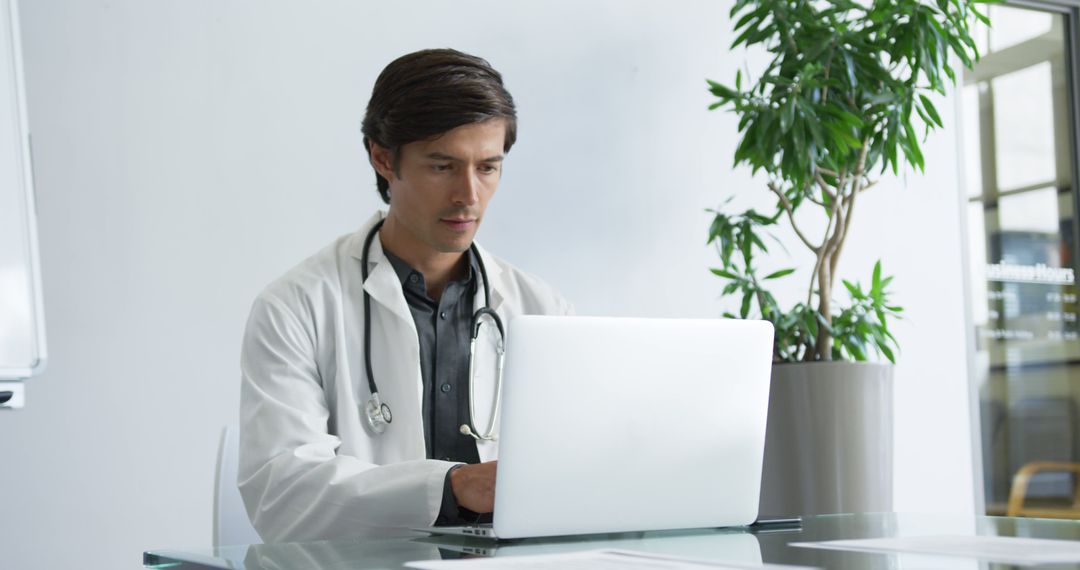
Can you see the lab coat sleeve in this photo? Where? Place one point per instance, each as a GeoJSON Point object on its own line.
{"type": "Point", "coordinates": [294, 484]}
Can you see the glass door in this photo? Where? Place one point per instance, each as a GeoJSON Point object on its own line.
{"type": "Point", "coordinates": [1019, 166]}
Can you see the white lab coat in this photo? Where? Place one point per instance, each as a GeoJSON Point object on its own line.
{"type": "Point", "coordinates": [310, 468]}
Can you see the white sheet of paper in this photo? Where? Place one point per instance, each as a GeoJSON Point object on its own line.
{"type": "Point", "coordinates": [608, 559]}
{"type": "Point", "coordinates": [1008, 549]}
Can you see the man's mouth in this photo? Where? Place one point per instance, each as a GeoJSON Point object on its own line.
{"type": "Point", "coordinates": [458, 224]}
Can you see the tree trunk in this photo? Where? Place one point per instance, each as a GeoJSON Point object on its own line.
{"type": "Point", "coordinates": [824, 339]}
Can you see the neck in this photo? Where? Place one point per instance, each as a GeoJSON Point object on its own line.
{"type": "Point", "coordinates": [437, 267]}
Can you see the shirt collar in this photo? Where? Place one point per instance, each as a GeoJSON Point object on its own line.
{"type": "Point", "coordinates": [410, 277]}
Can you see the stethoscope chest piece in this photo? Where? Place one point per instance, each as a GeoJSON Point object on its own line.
{"type": "Point", "coordinates": [378, 414]}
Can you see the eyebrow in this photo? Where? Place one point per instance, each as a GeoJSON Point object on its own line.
{"type": "Point", "coordinates": [441, 156]}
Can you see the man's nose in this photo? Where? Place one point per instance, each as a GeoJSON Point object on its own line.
{"type": "Point", "coordinates": [467, 189]}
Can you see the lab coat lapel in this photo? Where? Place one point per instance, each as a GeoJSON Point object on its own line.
{"type": "Point", "coordinates": [384, 286]}
{"type": "Point", "coordinates": [497, 285]}
{"type": "Point", "coordinates": [382, 283]}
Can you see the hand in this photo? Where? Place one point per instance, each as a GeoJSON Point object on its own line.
{"type": "Point", "coordinates": [474, 486]}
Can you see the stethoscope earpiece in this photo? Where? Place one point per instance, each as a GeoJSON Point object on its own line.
{"type": "Point", "coordinates": [377, 413]}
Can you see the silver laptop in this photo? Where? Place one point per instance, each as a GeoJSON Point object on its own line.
{"type": "Point", "coordinates": [625, 424]}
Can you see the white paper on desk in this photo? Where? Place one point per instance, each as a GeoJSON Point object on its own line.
{"type": "Point", "coordinates": [607, 559]}
{"type": "Point", "coordinates": [1007, 549]}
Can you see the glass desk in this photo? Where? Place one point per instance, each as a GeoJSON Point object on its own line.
{"type": "Point", "coordinates": [732, 546]}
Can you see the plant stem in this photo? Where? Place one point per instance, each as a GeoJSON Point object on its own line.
{"type": "Point", "coordinates": [855, 189]}
{"type": "Point", "coordinates": [791, 216]}
{"type": "Point", "coordinates": [823, 185]}
{"type": "Point", "coordinates": [824, 351]}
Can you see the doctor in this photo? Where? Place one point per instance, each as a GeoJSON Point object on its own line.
{"type": "Point", "coordinates": [320, 456]}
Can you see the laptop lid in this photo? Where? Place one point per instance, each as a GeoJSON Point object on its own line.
{"type": "Point", "coordinates": [625, 424]}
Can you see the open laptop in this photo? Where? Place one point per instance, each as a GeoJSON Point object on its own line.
{"type": "Point", "coordinates": [627, 424]}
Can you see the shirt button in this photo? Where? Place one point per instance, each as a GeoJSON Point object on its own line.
{"type": "Point", "coordinates": [445, 388]}
{"type": "Point", "coordinates": [442, 315]}
{"type": "Point", "coordinates": [414, 278]}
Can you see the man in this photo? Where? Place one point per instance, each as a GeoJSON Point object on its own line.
{"type": "Point", "coordinates": [319, 458]}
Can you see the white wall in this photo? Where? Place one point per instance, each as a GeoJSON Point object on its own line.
{"type": "Point", "coordinates": [189, 152]}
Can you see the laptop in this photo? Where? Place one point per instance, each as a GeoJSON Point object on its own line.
{"type": "Point", "coordinates": [629, 424]}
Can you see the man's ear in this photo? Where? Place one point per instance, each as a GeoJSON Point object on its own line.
{"type": "Point", "coordinates": [382, 160]}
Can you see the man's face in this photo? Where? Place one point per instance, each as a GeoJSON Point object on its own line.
{"type": "Point", "coordinates": [442, 186]}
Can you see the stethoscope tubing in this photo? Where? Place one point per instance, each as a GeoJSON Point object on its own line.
{"type": "Point", "coordinates": [378, 413]}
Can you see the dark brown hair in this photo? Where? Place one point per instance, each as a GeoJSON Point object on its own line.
{"type": "Point", "coordinates": [424, 94]}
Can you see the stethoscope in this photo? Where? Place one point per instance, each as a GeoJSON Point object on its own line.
{"type": "Point", "coordinates": [377, 412]}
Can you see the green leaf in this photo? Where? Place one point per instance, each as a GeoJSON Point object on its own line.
{"type": "Point", "coordinates": [848, 117]}
{"type": "Point", "coordinates": [887, 352]}
{"type": "Point", "coordinates": [855, 350]}
{"type": "Point", "coordinates": [757, 218]}
{"type": "Point", "coordinates": [747, 298]}
{"type": "Point", "coordinates": [824, 324]}
{"type": "Point", "coordinates": [722, 91]}
{"type": "Point", "coordinates": [744, 36]}
{"type": "Point", "coordinates": [717, 227]}
{"type": "Point", "coordinates": [930, 110]}
{"type": "Point", "coordinates": [746, 19]}
{"type": "Point", "coordinates": [852, 289]}
{"type": "Point", "coordinates": [778, 274]}
{"type": "Point", "coordinates": [798, 136]}
{"type": "Point", "coordinates": [914, 154]}
{"type": "Point", "coordinates": [757, 241]}
{"type": "Point", "coordinates": [842, 133]}
{"type": "Point", "coordinates": [890, 151]}
{"type": "Point", "coordinates": [882, 98]}
{"type": "Point", "coordinates": [787, 114]}
{"type": "Point", "coordinates": [949, 71]}
{"type": "Point", "coordinates": [724, 273]}
{"type": "Point", "coordinates": [739, 5]}
{"type": "Point", "coordinates": [811, 324]}
{"type": "Point", "coordinates": [850, 65]}
{"type": "Point", "coordinates": [728, 245]}
{"type": "Point", "coordinates": [926, 121]}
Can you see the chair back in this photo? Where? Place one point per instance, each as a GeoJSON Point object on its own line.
{"type": "Point", "coordinates": [231, 523]}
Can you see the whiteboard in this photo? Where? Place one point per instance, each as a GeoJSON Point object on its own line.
{"type": "Point", "coordinates": [22, 323]}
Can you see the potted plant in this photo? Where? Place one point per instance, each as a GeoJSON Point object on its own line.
{"type": "Point", "coordinates": [832, 110]}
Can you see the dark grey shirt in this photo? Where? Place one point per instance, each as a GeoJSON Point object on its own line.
{"type": "Point", "coordinates": [442, 328]}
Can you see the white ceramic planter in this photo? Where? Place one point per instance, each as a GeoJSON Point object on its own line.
{"type": "Point", "coordinates": [829, 440]}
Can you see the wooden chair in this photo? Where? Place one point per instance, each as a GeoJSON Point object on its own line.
{"type": "Point", "coordinates": [1055, 511]}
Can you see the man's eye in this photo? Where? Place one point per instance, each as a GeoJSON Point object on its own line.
{"type": "Point", "coordinates": [441, 167]}
{"type": "Point", "coordinates": [489, 169]}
